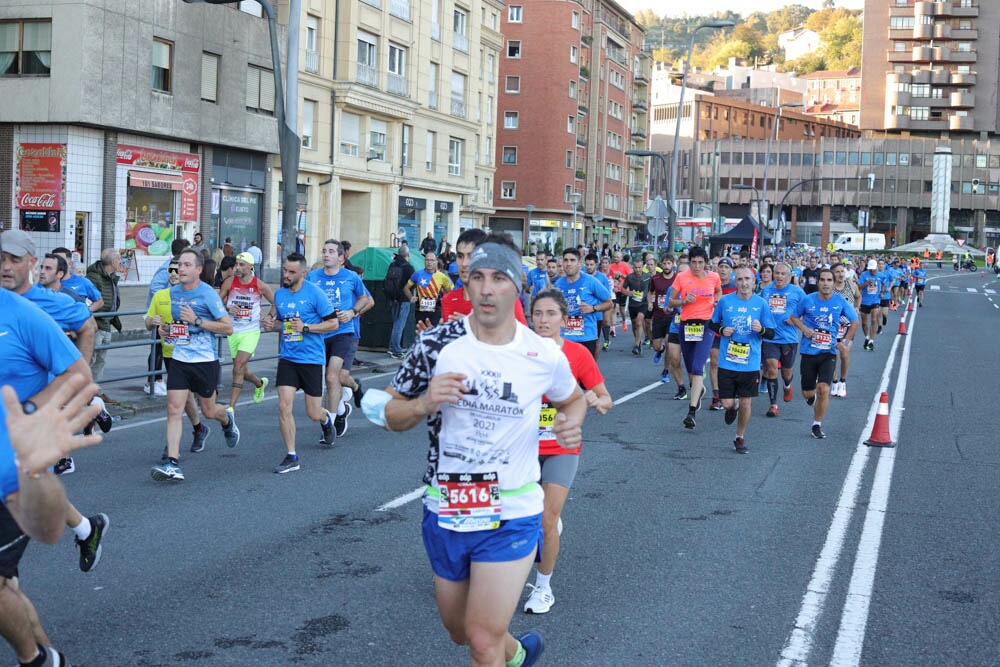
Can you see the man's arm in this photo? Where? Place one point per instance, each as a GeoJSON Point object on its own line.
{"type": "Point", "coordinates": [85, 337]}
{"type": "Point", "coordinates": [402, 414]}
{"type": "Point", "coordinates": [96, 306]}
{"type": "Point", "coordinates": [568, 424]}
{"type": "Point", "coordinates": [78, 367]}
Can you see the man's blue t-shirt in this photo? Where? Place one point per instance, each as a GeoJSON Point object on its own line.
{"type": "Point", "coordinates": [582, 327]}
{"type": "Point", "coordinates": [823, 317]}
{"type": "Point", "coordinates": [70, 315]}
{"type": "Point", "coordinates": [538, 276]}
{"type": "Point", "coordinates": [310, 304]}
{"type": "Point", "coordinates": [741, 351]}
{"type": "Point", "coordinates": [782, 303]}
{"type": "Point", "coordinates": [921, 276]}
{"type": "Point", "coordinates": [343, 289]}
{"type": "Point", "coordinates": [192, 344]}
{"type": "Point", "coordinates": [82, 286]}
{"type": "Point", "coordinates": [33, 348]}
{"type": "Point", "coordinates": [8, 469]}
{"type": "Point", "coordinates": [869, 293]}
{"type": "Point", "coordinates": [888, 278]}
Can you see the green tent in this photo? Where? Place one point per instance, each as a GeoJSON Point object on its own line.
{"type": "Point", "coordinates": [375, 262]}
{"type": "Point", "coordinates": [376, 324]}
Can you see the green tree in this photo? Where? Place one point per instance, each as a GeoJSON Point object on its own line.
{"type": "Point", "coordinates": [646, 18]}
{"type": "Point", "coordinates": [731, 49]}
{"type": "Point", "coordinates": [841, 42]}
{"type": "Point", "coordinates": [787, 18]}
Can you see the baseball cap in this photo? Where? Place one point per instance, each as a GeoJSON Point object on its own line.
{"type": "Point", "coordinates": [245, 257]}
{"type": "Point", "coordinates": [727, 262]}
{"type": "Point", "coordinates": [18, 243]}
{"type": "Point", "coordinates": [872, 265]}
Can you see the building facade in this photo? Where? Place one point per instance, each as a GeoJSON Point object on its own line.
{"type": "Point", "coordinates": [125, 125]}
{"type": "Point", "coordinates": [834, 95]}
{"type": "Point", "coordinates": [574, 98]}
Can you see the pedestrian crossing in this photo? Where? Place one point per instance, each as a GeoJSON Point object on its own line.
{"type": "Point", "coordinates": [961, 290]}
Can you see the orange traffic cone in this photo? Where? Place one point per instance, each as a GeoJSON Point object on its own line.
{"type": "Point", "coordinates": [880, 436]}
{"type": "Point", "coordinates": [902, 326]}
{"type": "Point", "coordinates": [909, 306]}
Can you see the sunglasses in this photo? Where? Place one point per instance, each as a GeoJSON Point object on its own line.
{"type": "Point", "coordinates": [172, 270]}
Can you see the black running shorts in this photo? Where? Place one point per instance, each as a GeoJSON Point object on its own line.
{"type": "Point", "coordinates": [307, 377]}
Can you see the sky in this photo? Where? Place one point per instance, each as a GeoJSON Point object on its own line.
{"type": "Point", "coordinates": [678, 8]}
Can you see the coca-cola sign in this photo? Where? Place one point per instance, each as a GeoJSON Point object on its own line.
{"type": "Point", "coordinates": [141, 156]}
{"type": "Point", "coordinates": [41, 177]}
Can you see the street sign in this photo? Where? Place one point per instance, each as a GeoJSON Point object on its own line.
{"type": "Point", "coordinates": [960, 242]}
{"type": "Point", "coordinates": [657, 213]}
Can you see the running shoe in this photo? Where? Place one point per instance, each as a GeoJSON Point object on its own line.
{"type": "Point", "coordinates": [258, 392]}
{"type": "Point", "coordinates": [625, 326]}
{"type": "Point", "coordinates": [605, 345]}
{"type": "Point", "coordinates": [637, 350]}
{"type": "Point", "coordinates": [232, 431]}
{"type": "Point", "coordinates": [740, 444]}
{"type": "Point", "coordinates": [843, 390]}
{"type": "Point", "coordinates": [329, 432]}
{"type": "Point", "coordinates": [540, 601]}
{"type": "Point", "coordinates": [168, 472]}
{"type": "Point", "coordinates": [879, 328]}
{"type": "Point", "coordinates": [90, 548]}
{"type": "Point", "coordinates": [811, 400]}
{"type": "Point", "coordinates": [730, 416]}
{"type": "Point", "coordinates": [689, 422]}
{"type": "Point", "coordinates": [359, 393]}
{"type": "Point", "coordinates": [665, 378]}
{"type": "Point", "coordinates": [614, 334]}
{"type": "Point", "coordinates": [200, 435]}
{"type": "Point", "coordinates": [788, 393]}
{"type": "Point", "coordinates": [871, 345]}
{"type": "Point", "coordinates": [681, 394]}
{"type": "Point", "coordinates": [772, 411]}
{"type": "Point", "coordinates": [64, 467]}
{"type": "Point", "coordinates": [103, 418]}
{"type": "Point", "coordinates": [533, 644]}
{"type": "Point", "coordinates": [885, 320]}
{"type": "Point", "coordinates": [716, 405]}
{"type": "Point", "coordinates": [289, 464]}
{"type": "Point", "coordinates": [159, 388]}
{"type": "Point", "coordinates": [340, 421]}
{"type": "Point", "coordinates": [817, 432]}
{"type": "Point", "coordinates": [657, 356]}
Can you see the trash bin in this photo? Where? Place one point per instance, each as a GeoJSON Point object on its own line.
{"type": "Point", "coordinates": [376, 324]}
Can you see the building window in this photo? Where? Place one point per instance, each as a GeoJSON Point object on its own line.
{"type": "Point", "coordinates": [350, 133]}
{"type": "Point", "coordinates": [312, 39]}
{"type": "Point", "coordinates": [260, 89]}
{"type": "Point", "coordinates": [460, 27]}
{"type": "Point", "coordinates": [489, 109]}
{"type": "Point", "coordinates": [510, 154]}
{"type": "Point", "coordinates": [514, 14]}
{"type": "Point", "coordinates": [429, 149]}
{"type": "Point", "coordinates": [308, 121]}
{"type": "Point", "coordinates": [407, 140]}
{"type": "Point", "coordinates": [508, 189]}
{"type": "Point", "coordinates": [25, 48]}
{"type": "Point", "coordinates": [575, 21]}
{"type": "Point", "coordinates": [571, 124]}
{"type": "Point", "coordinates": [397, 70]}
{"type": "Point", "coordinates": [573, 54]}
{"type": "Point", "coordinates": [513, 84]}
{"type": "Point", "coordinates": [569, 159]}
{"type": "Point", "coordinates": [510, 120]}
{"type": "Point", "coordinates": [209, 76]}
{"type": "Point", "coordinates": [432, 87]}
{"type": "Point", "coordinates": [458, 94]}
{"type": "Point", "coordinates": [572, 89]}
{"type": "Point", "coordinates": [367, 59]}
{"type": "Point", "coordinates": [491, 66]}
{"type": "Point", "coordinates": [514, 48]}
{"type": "Point", "coordinates": [162, 58]}
{"type": "Point", "coordinates": [376, 139]}
{"type": "Point", "coordinates": [455, 147]}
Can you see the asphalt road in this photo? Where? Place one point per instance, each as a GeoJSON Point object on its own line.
{"type": "Point", "coordinates": [676, 550]}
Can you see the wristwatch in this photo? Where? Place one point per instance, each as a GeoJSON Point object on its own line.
{"type": "Point", "coordinates": [305, 328]}
{"type": "Point", "coordinates": [197, 321]}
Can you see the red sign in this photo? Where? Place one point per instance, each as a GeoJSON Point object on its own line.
{"type": "Point", "coordinates": [187, 163]}
{"type": "Point", "coordinates": [41, 177]}
{"type": "Point", "coordinates": [189, 198]}
{"type": "Point", "coordinates": [960, 242]}
{"type": "Point", "coordinates": [753, 244]}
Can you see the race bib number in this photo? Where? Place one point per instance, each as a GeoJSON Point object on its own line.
{"type": "Point", "coordinates": [290, 335]}
{"type": "Point", "coordinates": [677, 318]}
{"type": "Point", "coordinates": [778, 304]}
{"type": "Point", "coordinates": [822, 340]}
{"type": "Point", "coordinates": [872, 289]}
{"type": "Point", "coordinates": [469, 501]}
{"type": "Point", "coordinates": [428, 304]}
{"type": "Point", "coordinates": [546, 419]}
{"type": "Point", "coordinates": [180, 334]}
{"type": "Point", "coordinates": [842, 329]}
{"type": "Point", "coordinates": [661, 301]}
{"type": "Point", "coordinates": [242, 315]}
{"type": "Point", "coordinates": [694, 332]}
{"type": "Point", "coordinates": [636, 295]}
{"type": "Point", "coordinates": [738, 353]}
{"type": "Point", "coordinates": [574, 325]}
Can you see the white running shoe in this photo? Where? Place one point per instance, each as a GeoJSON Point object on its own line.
{"type": "Point", "coordinates": [559, 526]}
{"type": "Point", "coordinates": [159, 388]}
{"type": "Point", "coordinates": [540, 602]}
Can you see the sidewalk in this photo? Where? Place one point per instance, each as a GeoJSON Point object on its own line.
{"type": "Point", "coordinates": [132, 400]}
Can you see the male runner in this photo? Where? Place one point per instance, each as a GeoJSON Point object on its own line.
{"type": "Point", "coordinates": [242, 293]}
{"type": "Point", "coordinates": [743, 320]}
{"type": "Point", "coordinates": [425, 289]}
{"type": "Point", "coordinates": [782, 297]}
{"type": "Point", "coordinates": [619, 270]}
{"type": "Point", "coordinates": [478, 383]}
{"type": "Point", "coordinates": [695, 292]}
{"type": "Point", "coordinates": [870, 284]}
{"type": "Point", "coordinates": [810, 275]}
{"type": "Point", "coordinates": [538, 277]}
{"type": "Point", "coordinates": [656, 301]}
{"type": "Point", "coordinates": [346, 292]}
{"type": "Point", "coordinates": [920, 281]}
{"type": "Point", "coordinates": [852, 295]}
{"type": "Point", "coordinates": [608, 318]}
{"type": "Point", "coordinates": [590, 265]}
{"type": "Point", "coordinates": [197, 314]}
{"type": "Point", "coordinates": [724, 268]}
{"type": "Point", "coordinates": [636, 285]}
{"type": "Point", "coordinates": [455, 304]}
{"type": "Point", "coordinates": [586, 297]}
{"type": "Point", "coordinates": [305, 315]}
{"type": "Point", "coordinates": [817, 316]}
{"type": "Point", "coordinates": [78, 284]}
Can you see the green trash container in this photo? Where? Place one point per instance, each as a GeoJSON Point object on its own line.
{"type": "Point", "coordinates": [376, 325]}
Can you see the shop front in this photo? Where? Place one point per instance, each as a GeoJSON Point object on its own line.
{"type": "Point", "coordinates": [554, 235]}
{"type": "Point", "coordinates": [159, 193]}
{"type": "Point", "coordinates": [408, 221]}
{"type": "Point", "coordinates": [442, 217]}
{"type": "Point", "coordinates": [40, 186]}
{"type": "Point", "coordinates": [237, 199]}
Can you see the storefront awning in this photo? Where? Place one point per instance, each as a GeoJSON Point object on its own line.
{"type": "Point", "coordinates": [148, 179]}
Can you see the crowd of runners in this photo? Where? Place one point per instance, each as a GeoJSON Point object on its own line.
{"type": "Point", "coordinates": [502, 371]}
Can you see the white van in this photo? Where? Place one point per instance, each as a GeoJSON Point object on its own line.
{"type": "Point", "coordinates": [858, 241]}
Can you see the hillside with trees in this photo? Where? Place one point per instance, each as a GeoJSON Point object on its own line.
{"type": "Point", "coordinates": [755, 38]}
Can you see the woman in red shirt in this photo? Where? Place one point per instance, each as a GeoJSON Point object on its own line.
{"type": "Point", "coordinates": [549, 312]}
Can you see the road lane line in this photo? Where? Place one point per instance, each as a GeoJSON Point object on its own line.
{"type": "Point", "coordinates": [629, 397]}
{"type": "Point", "coordinates": [971, 289]}
{"type": "Point", "coordinates": [935, 287]}
{"type": "Point", "coordinates": [402, 500]}
{"type": "Point", "coordinates": [800, 641]}
{"type": "Point", "coordinates": [854, 620]}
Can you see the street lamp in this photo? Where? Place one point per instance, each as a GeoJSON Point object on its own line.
{"type": "Point", "coordinates": [767, 155]}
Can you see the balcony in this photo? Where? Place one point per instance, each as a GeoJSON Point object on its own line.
{"type": "Point", "coordinates": [458, 106]}
{"type": "Point", "coordinates": [367, 75]}
{"type": "Point", "coordinates": [638, 133]}
{"type": "Point", "coordinates": [581, 140]}
{"type": "Point", "coordinates": [400, 9]}
{"type": "Point", "coordinates": [943, 8]}
{"type": "Point", "coordinates": [940, 77]}
{"type": "Point", "coordinates": [963, 57]}
{"type": "Point", "coordinates": [899, 56]}
{"type": "Point", "coordinates": [461, 43]}
{"type": "Point", "coordinates": [961, 11]}
{"type": "Point", "coordinates": [963, 100]}
{"type": "Point", "coordinates": [635, 189]}
{"type": "Point", "coordinates": [396, 84]}
{"type": "Point", "coordinates": [615, 22]}
{"type": "Point", "coordinates": [618, 57]}
{"type": "Point", "coordinates": [922, 54]}
{"type": "Point", "coordinates": [921, 76]}
{"type": "Point", "coordinates": [942, 31]}
{"type": "Point", "coordinates": [940, 53]}
{"type": "Point", "coordinates": [900, 122]}
{"type": "Point", "coordinates": [636, 162]}
{"type": "Point", "coordinates": [968, 35]}
{"type": "Point", "coordinates": [923, 31]}
{"type": "Point", "coordinates": [963, 78]}
{"type": "Point", "coordinates": [961, 124]}
{"type": "Point", "coordinates": [641, 75]}
{"type": "Point", "coordinates": [312, 62]}
{"type": "Point", "coordinates": [638, 103]}
{"type": "Point", "coordinates": [923, 8]}
{"type": "Point", "coordinates": [898, 97]}
{"type": "Point", "coordinates": [435, 31]}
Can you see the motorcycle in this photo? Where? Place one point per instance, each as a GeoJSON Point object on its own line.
{"type": "Point", "coordinates": [968, 265]}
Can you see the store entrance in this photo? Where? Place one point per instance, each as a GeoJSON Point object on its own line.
{"type": "Point", "coordinates": [81, 230]}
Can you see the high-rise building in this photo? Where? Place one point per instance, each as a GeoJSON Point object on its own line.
{"type": "Point", "coordinates": [575, 97]}
{"type": "Point", "coordinates": [931, 68]}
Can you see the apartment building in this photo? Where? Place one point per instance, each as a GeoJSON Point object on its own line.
{"type": "Point", "coordinates": [834, 95]}
{"type": "Point", "coordinates": [397, 115]}
{"type": "Point", "coordinates": [125, 125]}
{"type": "Point", "coordinates": [575, 97]}
{"type": "Point", "coordinates": [931, 67]}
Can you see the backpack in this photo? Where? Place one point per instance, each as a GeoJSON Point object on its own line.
{"type": "Point", "coordinates": [394, 280]}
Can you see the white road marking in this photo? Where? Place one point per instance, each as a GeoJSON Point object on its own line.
{"type": "Point", "coordinates": [971, 289]}
{"type": "Point", "coordinates": [989, 291]}
{"type": "Point", "coordinates": [629, 397]}
{"type": "Point", "coordinates": [935, 287]}
{"type": "Point", "coordinates": [854, 620]}
{"type": "Point", "coordinates": [800, 641]}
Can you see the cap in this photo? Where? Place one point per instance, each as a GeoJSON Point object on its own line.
{"type": "Point", "coordinates": [245, 257]}
{"type": "Point", "coordinates": [727, 262]}
{"type": "Point", "coordinates": [18, 243]}
{"type": "Point", "coordinates": [872, 265]}
{"type": "Point", "coordinates": [499, 258]}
